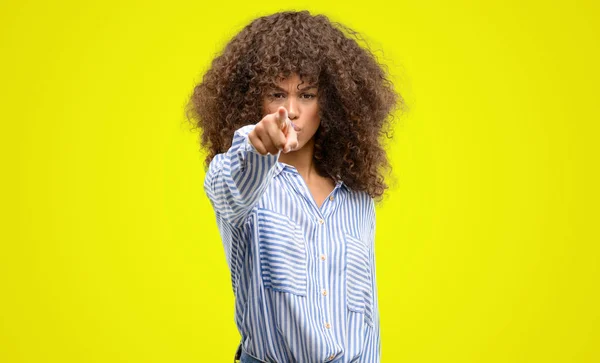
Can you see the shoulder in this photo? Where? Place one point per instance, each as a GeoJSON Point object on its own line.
{"type": "Point", "coordinates": [362, 199]}
{"type": "Point", "coordinates": [362, 206]}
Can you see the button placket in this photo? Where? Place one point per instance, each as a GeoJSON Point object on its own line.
{"type": "Point", "coordinates": [320, 232]}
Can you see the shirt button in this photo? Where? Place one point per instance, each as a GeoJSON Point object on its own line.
{"type": "Point", "coordinates": [321, 221]}
{"type": "Point", "coordinates": [327, 325]}
{"type": "Point", "coordinates": [324, 292]}
{"type": "Point", "coordinates": [331, 357]}
{"type": "Point", "coordinates": [331, 198]}
{"type": "Point", "coordinates": [322, 257]}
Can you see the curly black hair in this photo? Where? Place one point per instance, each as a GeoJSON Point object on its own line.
{"type": "Point", "coordinates": [356, 98]}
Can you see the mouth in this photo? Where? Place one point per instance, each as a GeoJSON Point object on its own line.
{"type": "Point", "coordinates": [296, 128]}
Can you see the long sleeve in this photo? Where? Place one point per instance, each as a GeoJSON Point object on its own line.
{"type": "Point", "coordinates": [372, 351]}
{"type": "Point", "coordinates": [236, 179]}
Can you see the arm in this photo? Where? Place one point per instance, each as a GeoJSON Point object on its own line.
{"type": "Point", "coordinates": [237, 179]}
{"type": "Point", "coordinates": [376, 328]}
{"type": "Point", "coordinates": [372, 353]}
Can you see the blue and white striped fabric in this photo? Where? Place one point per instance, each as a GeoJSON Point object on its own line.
{"type": "Point", "coordinates": [303, 276]}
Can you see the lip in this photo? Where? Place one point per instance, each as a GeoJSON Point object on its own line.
{"type": "Point", "coordinates": [296, 128]}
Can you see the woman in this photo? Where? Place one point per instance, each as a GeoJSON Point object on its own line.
{"type": "Point", "coordinates": [291, 114]}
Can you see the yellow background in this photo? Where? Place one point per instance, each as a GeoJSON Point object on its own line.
{"type": "Point", "coordinates": [487, 244]}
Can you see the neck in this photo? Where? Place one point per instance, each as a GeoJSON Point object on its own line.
{"type": "Point", "coordinates": [302, 160]}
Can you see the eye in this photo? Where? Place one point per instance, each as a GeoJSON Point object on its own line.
{"type": "Point", "coordinates": [277, 95]}
{"type": "Point", "coordinates": [308, 96]}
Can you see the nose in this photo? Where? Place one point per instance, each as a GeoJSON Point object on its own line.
{"type": "Point", "coordinates": [292, 108]}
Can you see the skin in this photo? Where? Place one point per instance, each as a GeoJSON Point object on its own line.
{"type": "Point", "coordinates": [292, 102]}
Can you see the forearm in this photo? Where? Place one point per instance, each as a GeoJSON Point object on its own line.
{"type": "Point", "coordinates": [237, 179]}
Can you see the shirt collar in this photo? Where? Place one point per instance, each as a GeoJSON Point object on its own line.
{"type": "Point", "coordinates": [341, 183]}
{"type": "Point", "coordinates": [281, 166]}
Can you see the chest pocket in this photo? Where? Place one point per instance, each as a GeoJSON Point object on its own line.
{"type": "Point", "coordinates": [358, 278]}
{"type": "Point", "coordinates": [283, 255]}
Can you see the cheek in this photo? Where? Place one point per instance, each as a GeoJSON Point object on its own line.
{"type": "Point", "coordinates": [269, 106]}
{"type": "Point", "coordinates": [314, 116]}
{"type": "Point", "coordinates": [265, 108]}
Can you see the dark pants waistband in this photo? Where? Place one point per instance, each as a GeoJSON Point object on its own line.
{"type": "Point", "coordinates": [245, 358]}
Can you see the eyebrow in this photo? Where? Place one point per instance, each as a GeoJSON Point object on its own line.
{"type": "Point", "coordinates": [302, 89]}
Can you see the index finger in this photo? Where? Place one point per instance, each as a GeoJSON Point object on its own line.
{"type": "Point", "coordinates": [281, 116]}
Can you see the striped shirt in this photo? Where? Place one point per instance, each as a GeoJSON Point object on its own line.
{"type": "Point", "coordinates": [303, 276]}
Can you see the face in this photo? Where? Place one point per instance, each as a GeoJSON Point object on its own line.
{"type": "Point", "coordinates": [300, 100]}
